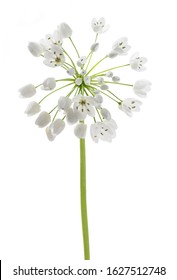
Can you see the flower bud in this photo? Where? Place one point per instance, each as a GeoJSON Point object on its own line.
{"type": "Point", "coordinates": [112, 54]}
{"type": "Point", "coordinates": [109, 74]}
{"type": "Point", "coordinates": [78, 81]}
{"type": "Point", "coordinates": [65, 30]}
{"type": "Point", "coordinates": [115, 79]}
{"type": "Point", "coordinates": [104, 87]}
{"type": "Point", "coordinates": [64, 103]}
{"type": "Point", "coordinates": [87, 80]}
{"type": "Point", "coordinates": [43, 119]}
{"type": "Point", "coordinates": [57, 126]}
{"type": "Point", "coordinates": [35, 49]}
{"type": "Point", "coordinates": [80, 130]}
{"type": "Point", "coordinates": [49, 84]}
{"type": "Point", "coordinates": [71, 72]}
{"type": "Point", "coordinates": [94, 47]}
{"type": "Point", "coordinates": [27, 91]}
{"type": "Point", "coordinates": [32, 108]}
{"type": "Point", "coordinates": [106, 114]}
{"type": "Point", "coordinates": [71, 116]}
{"type": "Point", "coordinates": [49, 133]}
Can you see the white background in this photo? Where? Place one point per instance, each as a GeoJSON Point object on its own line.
{"type": "Point", "coordinates": [131, 182]}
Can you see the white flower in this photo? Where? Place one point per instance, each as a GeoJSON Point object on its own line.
{"type": "Point", "coordinates": [109, 74]}
{"type": "Point", "coordinates": [99, 26]}
{"type": "Point", "coordinates": [72, 116]}
{"type": "Point", "coordinates": [54, 57]}
{"type": "Point", "coordinates": [102, 130]}
{"type": "Point", "coordinates": [64, 103]}
{"type": "Point", "coordinates": [27, 91]}
{"type": "Point", "coordinates": [106, 114]}
{"type": "Point", "coordinates": [87, 80]}
{"type": "Point", "coordinates": [32, 108]}
{"type": "Point", "coordinates": [141, 87]}
{"type": "Point", "coordinates": [94, 47]}
{"type": "Point", "coordinates": [115, 79]}
{"type": "Point", "coordinates": [104, 87]}
{"type": "Point", "coordinates": [35, 49]}
{"type": "Point", "coordinates": [65, 30]}
{"type": "Point", "coordinates": [49, 84]}
{"type": "Point", "coordinates": [43, 119]}
{"type": "Point", "coordinates": [130, 105]}
{"type": "Point", "coordinates": [84, 106]}
{"type": "Point", "coordinates": [54, 129]}
{"type": "Point", "coordinates": [71, 72]}
{"type": "Point", "coordinates": [137, 62]}
{"type": "Point", "coordinates": [49, 40]}
{"type": "Point", "coordinates": [56, 38]}
{"type": "Point", "coordinates": [121, 46]}
{"type": "Point", "coordinates": [80, 130]}
{"type": "Point", "coordinates": [78, 81]}
{"type": "Point", "coordinates": [82, 60]}
{"type": "Point", "coordinates": [113, 54]}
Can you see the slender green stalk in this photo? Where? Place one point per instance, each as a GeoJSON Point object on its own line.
{"type": "Point", "coordinates": [53, 109]}
{"type": "Point", "coordinates": [97, 64]}
{"type": "Point", "coordinates": [38, 85]}
{"type": "Point", "coordinates": [74, 46]}
{"type": "Point", "coordinates": [117, 83]}
{"type": "Point", "coordinates": [92, 88]}
{"type": "Point", "coordinates": [83, 198]}
{"type": "Point", "coordinates": [55, 115]}
{"type": "Point", "coordinates": [107, 70]}
{"type": "Point", "coordinates": [72, 62]}
{"type": "Point", "coordinates": [65, 80]}
{"type": "Point", "coordinates": [54, 91]}
{"type": "Point", "coordinates": [91, 54]}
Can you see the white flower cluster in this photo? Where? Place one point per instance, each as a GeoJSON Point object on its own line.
{"type": "Point", "coordinates": [85, 90]}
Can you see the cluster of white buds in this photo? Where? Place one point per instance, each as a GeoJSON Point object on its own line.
{"type": "Point", "coordinates": [86, 90]}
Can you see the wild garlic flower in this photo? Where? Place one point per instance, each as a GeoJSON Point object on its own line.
{"type": "Point", "coordinates": [84, 104]}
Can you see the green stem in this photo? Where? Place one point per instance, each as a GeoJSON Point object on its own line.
{"type": "Point", "coordinates": [107, 70]}
{"type": "Point", "coordinates": [91, 54]}
{"type": "Point", "coordinates": [54, 91]}
{"type": "Point", "coordinates": [72, 62]}
{"type": "Point", "coordinates": [97, 64]}
{"type": "Point", "coordinates": [83, 198]}
{"type": "Point", "coordinates": [117, 83]}
{"type": "Point", "coordinates": [74, 46]}
{"type": "Point", "coordinates": [65, 80]}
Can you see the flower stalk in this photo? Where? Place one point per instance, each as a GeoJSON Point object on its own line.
{"type": "Point", "coordinates": [83, 198]}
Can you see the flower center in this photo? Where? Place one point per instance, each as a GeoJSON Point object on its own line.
{"type": "Point", "coordinates": [82, 102]}
{"type": "Point", "coordinates": [58, 60]}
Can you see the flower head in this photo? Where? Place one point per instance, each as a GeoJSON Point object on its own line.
{"type": "Point", "coordinates": [84, 89]}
